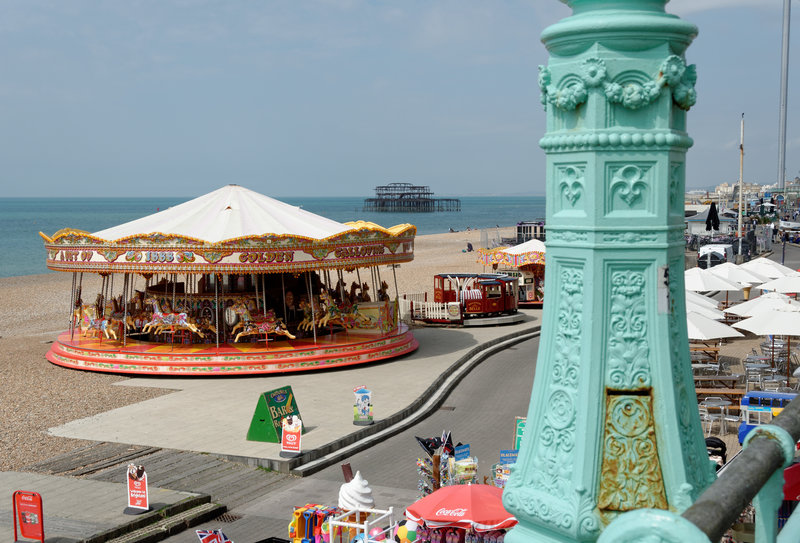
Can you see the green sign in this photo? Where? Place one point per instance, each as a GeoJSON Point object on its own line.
{"type": "Point", "coordinates": [273, 406]}
{"type": "Point", "coordinates": [519, 429]}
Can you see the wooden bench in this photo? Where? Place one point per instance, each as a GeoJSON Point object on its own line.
{"type": "Point", "coordinates": [728, 381]}
{"type": "Point", "coordinates": [731, 392]}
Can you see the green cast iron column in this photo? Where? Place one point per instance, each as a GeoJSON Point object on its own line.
{"type": "Point", "coordinates": [612, 424]}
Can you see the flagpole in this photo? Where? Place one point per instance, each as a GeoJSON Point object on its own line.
{"type": "Point", "coordinates": [741, 170]}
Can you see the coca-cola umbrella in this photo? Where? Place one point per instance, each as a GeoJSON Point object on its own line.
{"type": "Point", "coordinates": [479, 507]}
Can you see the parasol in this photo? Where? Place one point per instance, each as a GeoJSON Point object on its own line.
{"type": "Point", "coordinates": [701, 328]}
{"type": "Point", "coordinates": [708, 312]}
{"type": "Point", "coordinates": [785, 284]}
{"type": "Point", "coordinates": [700, 280]}
{"type": "Point", "coordinates": [784, 321]}
{"type": "Point", "coordinates": [765, 302]}
{"type": "Point", "coordinates": [479, 507]}
{"type": "Point", "coordinates": [699, 299]}
{"type": "Point", "coordinates": [767, 268]}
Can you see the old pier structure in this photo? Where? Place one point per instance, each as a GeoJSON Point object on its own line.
{"type": "Point", "coordinates": [408, 198]}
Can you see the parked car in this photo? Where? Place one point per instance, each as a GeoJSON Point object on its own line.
{"type": "Point", "coordinates": [713, 254]}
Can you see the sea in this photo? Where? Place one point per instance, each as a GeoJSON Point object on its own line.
{"type": "Point", "coordinates": [21, 219]}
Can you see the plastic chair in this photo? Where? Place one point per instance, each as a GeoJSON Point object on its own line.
{"type": "Point", "coordinates": [706, 417]}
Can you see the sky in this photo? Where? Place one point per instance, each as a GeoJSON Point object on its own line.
{"type": "Point", "coordinates": [334, 97]}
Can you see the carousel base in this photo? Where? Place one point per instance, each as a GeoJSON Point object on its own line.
{"type": "Point", "coordinates": [277, 356]}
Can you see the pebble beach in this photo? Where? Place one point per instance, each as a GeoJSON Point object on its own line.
{"type": "Point", "coordinates": [34, 309]}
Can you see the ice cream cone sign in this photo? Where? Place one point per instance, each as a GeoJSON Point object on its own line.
{"type": "Point", "coordinates": [291, 431]}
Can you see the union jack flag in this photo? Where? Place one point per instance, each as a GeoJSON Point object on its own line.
{"type": "Point", "coordinates": [212, 536]}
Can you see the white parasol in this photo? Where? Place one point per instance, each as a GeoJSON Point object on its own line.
{"type": "Point", "coordinates": [737, 274]}
{"type": "Point", "coordinates": [766, 302]}
{"type": "Point", "coordinates": [708, 312]}
{"type": "Point", "coordinates": [784, 321]}
{"type": "Point", "coordinates": [767, 268]}
{"type": "Point", "coordinates": [699, 299]}
{"type": "Point", "coordinates": [787, 283]}
{"type": "Point", "coordinates": [701, 328]}
{"type": "Point", "coordinates": [700, 280]}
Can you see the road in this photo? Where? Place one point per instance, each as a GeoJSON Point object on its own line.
{"type": "Point", "coordinates": [480, 411]}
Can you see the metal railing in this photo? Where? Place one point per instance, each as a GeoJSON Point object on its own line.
{"type": "Point", "coordinates": [756, 475]}
{"type": "Point", "coordinates": [411, 310]}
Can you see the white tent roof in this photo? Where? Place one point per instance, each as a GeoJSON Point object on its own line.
{"type": "Point", "coordinates": [530, 246]}
{"type": "Point", "coordinates": [228, 213]}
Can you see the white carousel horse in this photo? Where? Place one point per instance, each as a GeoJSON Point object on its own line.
{"type": "Point", "coordinates": [161, 321]}
{"type": "Point", "coordinates": [94, 323]}
{"type": "Point", "coordinates": [270, 325]}
{"type": "Point", "coordinates": [345, 314]}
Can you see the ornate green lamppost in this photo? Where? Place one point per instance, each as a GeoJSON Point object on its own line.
{"type": "Point", "coordinates": [612, 424]}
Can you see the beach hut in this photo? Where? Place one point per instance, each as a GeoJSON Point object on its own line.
{"type": "Point", "coordinates": [221, 271]}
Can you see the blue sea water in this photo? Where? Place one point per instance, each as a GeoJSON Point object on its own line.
{"type": "Point", "coordinates": [21, 219]}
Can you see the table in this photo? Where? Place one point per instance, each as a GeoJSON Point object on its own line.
{"type": "Point", "coordinates": [722, 405]}
{"type": "Point", "coordinates": [704, 366]}
{"type": "Point", "coordinates": [756, 366]}
{"type": "Point", "coordinates": [707, 351]}
{"type": "Point", "coordinates": [726, 381]}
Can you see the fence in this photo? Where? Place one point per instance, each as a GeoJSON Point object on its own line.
{"type": "Point", "coordinates": [414, 308]}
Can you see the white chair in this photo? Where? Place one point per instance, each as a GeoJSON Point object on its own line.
{"type": "Point", "coordinates": [709, 418]}
{"type": "Point", "coordinates": [728, 418]}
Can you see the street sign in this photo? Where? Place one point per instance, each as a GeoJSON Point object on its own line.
{"type": "Point", "coordinates": [519, 429]}
{"type": "Point", "coordinates": [28, 515]}
{"type": "Point", "coordinates": [272, 407]}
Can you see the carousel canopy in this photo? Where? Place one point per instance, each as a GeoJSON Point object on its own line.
{"type": "Point", "coordinates": [233, 230]}
{"type": "Point", "coordinates": [530, 252]}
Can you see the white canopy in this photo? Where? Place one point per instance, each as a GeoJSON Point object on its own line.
{"type": "Point", "coordinates": [701, 328]}
{"type": "Point", "coordinates": [228, 213]}
{"type": "Point", "coordinates": [767, 268]}
{"type": "Point", "coordinates": [766, 302]}
{"type": "Point", "coordinates": [700, 280]}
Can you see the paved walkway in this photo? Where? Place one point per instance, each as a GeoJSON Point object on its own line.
{"type": "Point", "coordinates": [212, 415]}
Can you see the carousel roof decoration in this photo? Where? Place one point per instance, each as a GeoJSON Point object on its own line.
{"type": "Point", "coordinates": [524, 254]}
{"type": "Point", "coordinates": [230, 230]}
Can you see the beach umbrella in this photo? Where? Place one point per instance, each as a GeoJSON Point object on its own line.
{"type": "Point", "coordinates": [476, 507]}
{"type": "Point", "coordinates": [767, 268]}
{"type": "Point", "coordinates": [701, 328]}
{"type": "Point", "coordinates": [737, 274]}
{"type": "Point", "coordinates": [787, 283]}
{"type": "Point", "coordinates": [765, 302]}
{"type": "Point", "coordinates": [708, 312]}
{"type": "Point", "coordinates": [699, 299]}
{"type": "Point", "coordinates": [700, 280]}
{"type": "Point", "coordinates": [783, 321]}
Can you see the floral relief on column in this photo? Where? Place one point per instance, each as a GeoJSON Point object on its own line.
{"type": "Point", "coordinates": [628, 348]}
{"type": "Point", "coordinates": [630, 476]}
{"type": "Point", "coordinates": [571, 184]}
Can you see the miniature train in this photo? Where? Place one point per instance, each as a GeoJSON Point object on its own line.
{"type": "Point", "coordinates": [479, 295]}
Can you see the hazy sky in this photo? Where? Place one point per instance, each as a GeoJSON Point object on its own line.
{"type": "Point", "coordinates": [334, 97]}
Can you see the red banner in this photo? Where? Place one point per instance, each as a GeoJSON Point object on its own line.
{"type": "Point", "coordinates": [137, 487]}
{"type": "Point", "coordinates": [28, 515]}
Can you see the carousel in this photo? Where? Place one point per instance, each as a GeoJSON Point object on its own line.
{"type": "Point", "coordinates": [231, 283]}
{"type": "Point", "coordinates": [525, 262]}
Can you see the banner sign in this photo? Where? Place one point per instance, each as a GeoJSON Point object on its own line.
{"type": "Point", "coordinates": [509, 457]}
{"type": "Point", "coordinates": [137, 488]}
{"type": "Point", "coordinates": [362, 409]}
{"type": "Point", "coordinates": [461, 452]}
{"type": "Point", "coordinates": [291, 431]}
{"type": "Point", "coordinates": [273, 406]}
{"type": "Point", "coordinates": [28, 515]}
{"type": "Point", "coordinates": [519, 429]}
{"type": "Point", "coordinates": [212, 536]}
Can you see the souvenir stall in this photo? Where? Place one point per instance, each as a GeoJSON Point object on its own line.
{"type": "Point", "coordinates": [525, 262]}
{"type": "Point", "coordinates": [232, 282]}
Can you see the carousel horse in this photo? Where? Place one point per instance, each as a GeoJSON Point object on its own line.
{"type": "Point", "coordinates": [383, 295]}
{"type": "Point", "coordinates": [161, 321]}
{"type": "Point", "coordinates": [345, 314]}
{"type": "Point", "coordinates": [310, 316]}
{"type": "Point", "coordinates": [270, 325]}
{"type": "Point", "coordinates": [95, 323]}
{"type": "Point", "coordinates": [364, 295]}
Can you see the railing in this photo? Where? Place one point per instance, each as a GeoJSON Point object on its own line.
{"type": "Point", "coordinates": [426, 311]}
{"type": "Point", "coordinates": [756, 474]}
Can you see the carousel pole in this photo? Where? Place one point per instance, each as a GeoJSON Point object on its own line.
{"type": "Point", "coordinates": [283, 295]}
{"type": "Point", "coordinates": [394, 274]}
{"type": "Point", "coordinates": [255, 284]}
{"type": "Point", "coordinates": [72, 306]}
{"type": "Point", "coordinates": [125, 282]}
{"type": "Point", "coordinates": [216, 306]}
{"type": "Point", "coordinates": [264, 294]}
{"type": "Point", "coordinates": [311, 301]}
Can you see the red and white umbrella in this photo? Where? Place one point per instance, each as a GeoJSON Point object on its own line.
{"type": "Point", "coordinates": [479, 507]}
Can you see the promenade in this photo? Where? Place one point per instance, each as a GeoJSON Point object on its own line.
{"type": "Point", "coordinates": [211, 416]}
